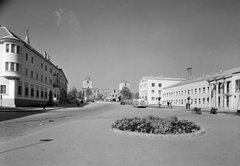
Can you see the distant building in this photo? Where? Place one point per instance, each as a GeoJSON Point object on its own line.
{"type": "Point", "coordinates": [124, 83]}
{"type": "Point", "coordinates": [26, 76]}
{"type": "Point", "coordinates": [87, 84]}
{"type": "Point", "coordinates": [113, 95]}
{"type": "Point", "coordinates": [150, 87]}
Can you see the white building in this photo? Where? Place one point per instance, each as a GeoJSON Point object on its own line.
{"type": "Point", "coordinates": [26, 76]}
{"type": "Point", "coordinates": [220, 90]}
{"type": "Point", "coordinates": [150, 87]}
{"type": "Point", "coordinates": [124, 83]}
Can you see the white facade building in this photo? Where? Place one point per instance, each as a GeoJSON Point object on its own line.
{"type": "Point", "coordinates": [26, 76]}
{"type": "Point", "coordinates": [219, 90]}
{"type": "Point", "coordinates": [150, 87]}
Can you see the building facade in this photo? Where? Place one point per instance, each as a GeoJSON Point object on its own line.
{"type": "Point", "coordinates": [150, 87]}
{"type": "Point", "coordinates": [26, 76]}
{"type": "Point", "coordinates": [219, 90]}
{"type": "Point", "coordinates": [124, 83]}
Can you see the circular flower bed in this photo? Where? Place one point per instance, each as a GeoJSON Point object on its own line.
{"type": "Point", "coordinates": [156, 125]}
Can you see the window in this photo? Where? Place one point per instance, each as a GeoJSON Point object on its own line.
{"type": "Point", "coordinates": [195, 91]}
{"type": "Point", "coordinates": [32, 92]}
{"type": "Point", "coordinates": [50, 81]}
{"type": "Point", "coordinates": [45, 67]}
{"type": "Point", "coordinates": [191, 91]}
{"type": "Point", "coordinates": [37, 93]}
{"type": "Point", "coordinates": [19, 90]}
{"type": "Point", "coordinates": [199, 90]}
{"type": "Point", "coordinates": [153, 84]}
{"type": "Point", "coordinates": [42, 78]}
{"type": "Point", "coordinates": [2, 89]}
{"type": "Point", "coordinates": [37, 63]}
{"type": "Point", "coordinates": [18, 49]}
{"type": "Point", "coordinates": [26, 72]}
{"type": "Point", "coordinates": [17, 67]}
{"type": "Point", "coordinates": [199, 101]}
{"type": "Point", "coordinates": [32, 59]}
{"type": "Point", "coordinates": [51, 70]}
{"type": "Point", "coordinates": [31, 74]}
{"type": "Point", "coordinates": [237, 85]}
{"type": "Point", "coordinates": [153, 98]}
{"type": "Point", "coordinates": [153, 91]}
{"type": "Point", "coordinates": [11, 66]}
{"type": "Point", "coordinates": [26, 57]}
{"type": "Point", "coordinates": [41, 94]}
{"type": "Point", "coordinates": [26, 91]}
{"type": "Point", "coordinates": [13, 48]}
{"type": "Point", "coordinates": [37, 76]}
{"type": "Point", "coordinates": [7, 66]}
{"type": "Point", "coordinates": [203, 100]}
{"type": "Point", "coordinates": [41, 65]}
{"type": "Point", "coordinates": [203, 89]}
{"type": "Point", "coordinates": [159, 92]}
{"type": "Point", "coordinates": [159, 85]}
{"type": "Point", "coordinates": [7, 47]}
{"type": "Point", "coordinates": [46, 80]}
{"type": "Point", "coordinates": [188, 92]}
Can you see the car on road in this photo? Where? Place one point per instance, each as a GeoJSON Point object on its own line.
{"type": "Point", "coordinates": [139, 103]}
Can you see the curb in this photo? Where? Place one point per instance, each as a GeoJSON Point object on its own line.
{"type": "Point", "coordinates": [159, 136]}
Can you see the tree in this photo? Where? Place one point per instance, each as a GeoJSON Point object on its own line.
{"type": "Point", "coordinates": [126, 93]}
{"type": "Point", "coordinates": [88, 92]}
{"type": "Point", "coordinates": [80, 94]}
{"type": "Point", "coordinates": [73, 93]}
{"type": "Point", "coordinates": [135, 95]}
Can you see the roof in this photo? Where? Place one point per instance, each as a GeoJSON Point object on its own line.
{"type": "Point", "coordinates": [210, 77]}
{"type": "Point", "coordinates": [5, 33]}
{"type": "Point", "coordinates": [87, 79]}
{"type": "Point", "coordinates": [124, 81]}
{"type": "Point", "coordinates": [161, 78]}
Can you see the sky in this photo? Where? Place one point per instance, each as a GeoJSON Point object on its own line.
{"type": "Point", "coordinates": [114, 40]}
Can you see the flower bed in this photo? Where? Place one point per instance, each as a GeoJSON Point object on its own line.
{"type": "Point", "coordinates": [156, 125]}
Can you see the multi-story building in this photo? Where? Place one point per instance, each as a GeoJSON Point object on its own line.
{"type": "Point", "coordinates": [124, 83]}
{"type": "Point", "coordinates": [220, 90]}
{"type": "Point", "coordinates": [26, 76]}
{"type": "Point", "coordinates": [113, 95]}
{"type": "Point", "coordinates": [150, 87]}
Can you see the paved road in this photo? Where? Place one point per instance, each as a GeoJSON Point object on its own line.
{"type": "Point", "coordinates": [88, 140]}
{"type": "Point", "coordinates": [14, 125]}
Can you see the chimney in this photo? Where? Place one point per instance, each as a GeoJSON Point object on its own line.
{"type": "Point", "coordinates": [45, 55]}
{"type": "Point", "coordinates": [189, 72]}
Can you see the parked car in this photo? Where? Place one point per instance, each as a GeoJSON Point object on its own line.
{"type": "Point", "coordinates": [139, 103]}
{"type": "Point", "coordinates": [122, 102]}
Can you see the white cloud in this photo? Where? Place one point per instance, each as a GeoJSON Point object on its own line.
{"type": "Point", "coordinates": [67, 21]}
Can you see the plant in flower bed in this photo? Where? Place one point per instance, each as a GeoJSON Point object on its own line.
{"type": "Point", "coordinates": [156, 125]}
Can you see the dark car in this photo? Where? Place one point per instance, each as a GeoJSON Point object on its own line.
{"type": "Point", "coordinates": [122, 102]}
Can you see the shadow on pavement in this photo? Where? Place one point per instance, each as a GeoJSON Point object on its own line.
{"type": "Point", "coordinates": [19, 112]}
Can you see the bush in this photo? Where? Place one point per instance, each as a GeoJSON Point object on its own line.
{"type": "Point", "coordinates": [156, 125]}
